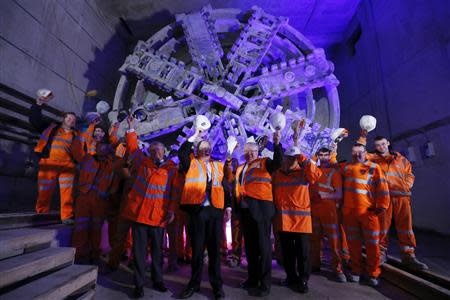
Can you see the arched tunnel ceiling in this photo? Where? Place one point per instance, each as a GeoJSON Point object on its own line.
{"type": "Point", "coordinates": [322, 21]}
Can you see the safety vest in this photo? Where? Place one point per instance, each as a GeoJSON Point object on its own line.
{"type": "Point", "coordinates": [398, 172]}
{"type": "Point", "coordinates": [95, 175]}
{"type": "Point", "coordinates": [324, 189]}
{"type": "Point", "coordinates": [257, 182]}
{"type": "Point", "coordinates": [149, 199]}
{"type": "Point", "coordinates": [364, 186]}
{"type": "Point", "coordinates": [57, 141]}
{"type": "Point", "coordinates": [194, 191]}
{"type": "Point", "coordinates": [291, 198]}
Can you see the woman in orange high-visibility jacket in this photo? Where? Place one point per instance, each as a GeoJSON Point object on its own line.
{"type": "Point", "coordinates": [366, 196]}
{"type": "Point", "coordinates": [326, 200]}
{"type": "Point", "coordinates": [149, 207]}
{"type": "Point", "coordinates": [96, 173]}
{"type": "Point", "coordinates": [57, 158]}
{"type": "Point", "coordinates": [398, 172]}
{"type": "Point", "coordinates": [293, 218]}
{"type": "Point", "coordinates": [253, 182]}
{"type": "Point", "coordinates": [203, 200]}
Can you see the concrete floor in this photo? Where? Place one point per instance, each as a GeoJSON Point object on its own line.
{"type": "Point", "coordinates": [119, 285]}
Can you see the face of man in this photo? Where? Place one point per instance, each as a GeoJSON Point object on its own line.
{"type": "Point", "coordinates": [99, 134]}
{"type": "Point", "coordinates": [382, 146]}
{"type": "Point", "coordinates": [250, 152]}
{"type": "Point", "coordinates": [204, 150]}
{"type": "Point", "coordinates": [359, 154]}
{"type": "Point", "coordinates": [324, 157]}
{"type": "Point", "coordinates": [69, 121]}
{"type": "Point", "coordinates": [289, 162]}
{"type": "Point", "coordinates": [156, 152]}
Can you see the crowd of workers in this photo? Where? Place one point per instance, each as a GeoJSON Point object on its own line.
{"type": "Point", "coordinates": [301, 201]}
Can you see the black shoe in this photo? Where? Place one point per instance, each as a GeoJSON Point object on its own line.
{"type": "Point", "coordinates": [160, 287]}
{"type": "Point", "coordinates": [288, 282]}
{"type": "Point", "coordinates": [259, 292]}
{"type": "Point", "coordinates": [188, 292]}
{"type": "Point", "coordinates": [138, 292]}
{"type": "Point", "coordinates": [248, 285]}
{"type": "Point", "coordinates": [303, 287]}
{"type": "Point", "coordinates": [219, 294]}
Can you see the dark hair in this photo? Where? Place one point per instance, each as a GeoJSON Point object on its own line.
{"type": "Point", "coordinates": [380, 137]}
{"type": "Point", "coordinates": [359, 145]}
{"type": "Point", "coordinates": [324, 150]}
{"type": "Point", "coordinates": [69, 113]}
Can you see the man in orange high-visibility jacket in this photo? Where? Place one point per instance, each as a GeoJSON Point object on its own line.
{"type": "Point", "coordinates": [366, 197]}
{"type": "Point", "coordinates": [57, 156]}
{"type": "Point", "coordinates": [96, 173]}
{"type": "Point", "coordinates": [398, 172]}
{"type": "Point", "coordinates": [203, 200]}
{"type": "Point", "coordinates": [326, 200]}
{"type": "Point", "coordinates": [253, 181]}
{"type": "Point", "coordinates": [149, 207]}
{"type": "Point", "coordinates": [293, 218]}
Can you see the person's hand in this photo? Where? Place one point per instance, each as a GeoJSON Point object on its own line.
{"type": "Point", "coordinates": [277, 137]}
{"type": "Point", "coordinates": [131, 122]}
{"type": "Point", "coordinates": [227, 214]}
{"type": "Point", "coordinates": [363, 133]}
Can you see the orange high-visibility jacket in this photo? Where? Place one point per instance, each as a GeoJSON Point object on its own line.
{"type": "Point", "coordinates": [365, 186]}
{"type": "Point", "coordinates": [177, 189]}
{"type": "Point", "coordinates": [149, 199]}
{"type": "Point", "coordinates": [257, 182]}
{"type": "Point", "coordinates": [194, 191]}
{"type": "Point", "coordinates": [398, 172]}
{"type": "Point", "coordinates": [328, 189]}
{"type": "Point", "coordinates": [95, 175]}
{"type": "Point", "coordinates": [291, 196]}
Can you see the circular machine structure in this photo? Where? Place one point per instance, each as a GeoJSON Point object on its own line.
{"type": "Point", "coordinates": [237, 68]}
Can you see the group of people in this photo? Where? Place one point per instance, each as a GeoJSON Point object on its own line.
{"type": "Point", "coordinates": [302, 200]}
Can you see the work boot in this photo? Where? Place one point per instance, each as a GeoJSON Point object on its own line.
{"type": "Point", "coordinates": [303, 287]}
{"type": "Point", "coordinates": [353, 277]}
{"type": "Point", "coordinates": [340, 277]}
{"type": "Point", "coordinates": [410, 261]}
{"type": "Point", "coordinates": [373, 282]}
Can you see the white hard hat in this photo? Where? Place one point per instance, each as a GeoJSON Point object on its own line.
{"type": "Point", "coordinates": [44, 93]}
{"type": "Point", "coordinates": [368, 122]}
{"type": "Point", "coordinates": [102, 107]}
{"type": "Point", "coordinates": [292, 151]}
{"type": "Point", "coordinates": [112, 116]}
{"type": "Point", "coordinates": [250, 140]}
{"type": "Point", "coordinates": [202, 122]}
{"type": "Point", "coordinates": [278, 120]}
{"type": "Point", "coordinates": [338, 135]}
{"type": "Point", "coordinates": [91, 116]}
{"type": "Point", "coordinates": [231, 143]}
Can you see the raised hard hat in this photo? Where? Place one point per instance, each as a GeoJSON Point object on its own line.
{"type": "Point", "coordinates": [278, 120]}
{"type": "Point", "coordinates": [338, 134]}
{"type": "Point", "coordinates": [45, 94]}
{"type": "Point", "coordinates": [231, 143]}
{"type": "Point", "coordinates": [91, 116]}
{"type": "Point", "coordinates": [292, 151]}
{"type": "Point", "coordinates": [368, 122]}
{"type": "Point", "coordinates": [201, 122]}
{"type": "Point", "coordinates": [102, 107]}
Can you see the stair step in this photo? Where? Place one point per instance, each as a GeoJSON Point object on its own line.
{"type": "Point", "coordinates": [21, 267]}
{"type": "Point", "coordinates": [16, 242]}
{"type": "Point", "coordinates": [57, 285]}
{"type": "Point", "coordinates": [30, 219]}
{"type": "Point", "coordinates": [88, 295]}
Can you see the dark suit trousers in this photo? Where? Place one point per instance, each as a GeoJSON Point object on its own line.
{"type": "Point", "coordinates": [295, 250]}
{"type": "Point", "coordinates": [205, 229]}
{"type": "Point", "coordinates": [141, 235]}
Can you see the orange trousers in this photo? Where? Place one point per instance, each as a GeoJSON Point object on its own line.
{"type": "Point", "coordinates": [90, 213]}
{"type": "Point", "coordinates": [399, 210]}
{"type": "Point", "coordinates": [49, 173]}
{"type": "Point", "coordinates": [345, 253]}
{"type": "Point", "coordinates": [326, 223]}
{"type": "Point", "coordinates": [236, 236]}
{"type": "Point", "coordinates": [362, 225]}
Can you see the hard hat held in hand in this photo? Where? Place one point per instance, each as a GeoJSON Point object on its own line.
{"type": "Point", "coordinates": [339, 134]}
{"type": "Point", "coordinates": [368, 123]}
{"type": "Point", "coordinates": [202, 123]}
{"type": "Point", "coordinates": [278, 121]}
{"type": "Point", "coordinates": [44, 94]}
{"type": "Point", "coordinates": [92, 116]}
{"type": "Point", "coordinates": [102, 107]}
{"type": "Point", "coordinates": [292, 151]}
{"type": "Point", "coordinates": [231, 144]}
